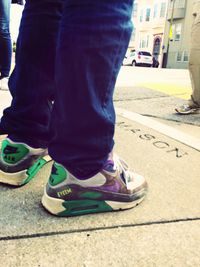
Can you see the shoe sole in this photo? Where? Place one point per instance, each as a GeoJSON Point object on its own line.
{"type": "Point", "coordinates": [193, 111]}
{"type": "Point", "coordinates": [70, 208]}
{"type": "Point", "coordinates": [24, 176]}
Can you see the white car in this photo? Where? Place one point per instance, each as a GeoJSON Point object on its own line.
{"type": "Point", "coordinates": [138, 58]}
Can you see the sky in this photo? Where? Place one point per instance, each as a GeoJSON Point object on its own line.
{"type": "Point", "coordinates": [15, 17]}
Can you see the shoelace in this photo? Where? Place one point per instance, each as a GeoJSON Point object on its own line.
{"type": "Point", "coordinates": [122, 167]}
{"type": "Point", "coordinates": [188, 107]}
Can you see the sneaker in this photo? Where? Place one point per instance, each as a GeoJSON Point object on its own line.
{"type": "Point", "coordinates": [187, 109]}
{"type": "Point", "coordinates": [113, 188]}
{"type": "Point", "coordinates": [19, 162]}
{"type": "Point", "coordinates": [4, 84]}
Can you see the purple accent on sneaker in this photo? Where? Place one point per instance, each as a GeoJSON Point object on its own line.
{"type": "Point", "coordinates": [115, 187]}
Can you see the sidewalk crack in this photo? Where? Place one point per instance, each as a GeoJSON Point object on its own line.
{"type": "Point", "coordinates": [76, 231]}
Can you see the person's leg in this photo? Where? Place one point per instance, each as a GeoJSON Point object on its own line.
{"type": "Point", "coordinates": [86, 177]}
{"type": "Point", "coordinates": [5, 39]}
{"type": "Point", "coordinates": [26, 121]}
{"type": "Point", "coordinates": [93, 40]}
{"type": "Point", "coordinates": [32, 81]}
{"type": "Point", "coordinates": [5, 43]}
{"type": "Point", "coordinates": [194, 61]}
{"type": "Point", "coordinates": [193, 104]}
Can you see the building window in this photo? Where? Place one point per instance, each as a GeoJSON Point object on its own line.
{"type": "Point", "coordinates": [144, 41]}
{"type": "Point", "coordinates": [155, 11]}
{"type": "Point", "coordinates": [179, 3]}
{"type": "Point", "coordinates": [135, 9]}
{"type": "Point", "coordinates": [185, 56]}
{"type": "Point", "coordinates": [177, 32]}
{"type": "Point", "coordinates": [141, 43]}
{"type": "Point", "coordinates": [147, 41]}
{"type": "Point", "coordinates": [179, 56]}
{"type": "Point", "coordinates": [141, 15]}
{"type": "Point", "coordinates": [133, 34]}
{"type": "Point", "coordinates": [163, 9]}
{"type": "Point", "coordinates": [182, 56]}
{"type": "Point", "coordinates": [148, 13]}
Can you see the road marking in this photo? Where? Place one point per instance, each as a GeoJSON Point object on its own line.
{"type": "Point", "coordinates": [160, 127]}
{"type": "Point", "coordinates": [179, 91]}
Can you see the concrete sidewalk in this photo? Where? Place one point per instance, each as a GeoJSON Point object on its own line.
{"type": "Point", "coordinates": [161, 231]}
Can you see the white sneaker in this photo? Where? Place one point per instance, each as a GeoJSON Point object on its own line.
{"type": "Point", "coordinates": [187, 109]}
{"type": "Point", "coordinates": [4, 84]}
{"type": "Point", "coordinates": [115, 187]}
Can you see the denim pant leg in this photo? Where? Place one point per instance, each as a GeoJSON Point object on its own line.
{"type": "Point", "coordinates": [93, 40]}
{"type": "Point", "coordinates": [5, 39]}
{"type": "Point", "coordinates": [32, 81]}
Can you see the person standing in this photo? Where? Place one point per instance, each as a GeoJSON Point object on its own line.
{"type": "Point", "coordinates": [70, 52]}
{"type": "Point", "coordinates": [5, 42]}
{"type": "Point", "coordinates": [193, 105]}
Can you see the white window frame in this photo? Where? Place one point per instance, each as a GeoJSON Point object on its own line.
{"type": "Point", "coordinates": [176, 33]}
{"type": "Point", "coordinates": [144, 41]}
{"type": "Point", "coordinates": [163, 9]}
{"type": "Point", "coordinates": [141, 15]}
{"type": "Point", "coordinates": [155, 11]}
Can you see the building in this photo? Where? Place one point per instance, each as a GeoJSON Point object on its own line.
{"type": "Point", "coordinates": [176, 46]}
{"type": "Point", "coordinates": [149, 20]}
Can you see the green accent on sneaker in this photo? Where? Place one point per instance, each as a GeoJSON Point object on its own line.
{"type": "Point", "coordinates": [90, 195]}
{"type": "Point", "coordinates": [33, 170]}
{"type": "Point", "coordinates": [13, 153]}
{"type": "Point", "coordinates": [58, 174]}
{"type": "Point", "coordinates": [81, 207]}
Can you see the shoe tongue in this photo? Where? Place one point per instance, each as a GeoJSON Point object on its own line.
{"type": "Point", "coordinates": [109, 165]}
{"type": "Point", "coordinates": [58, 174]}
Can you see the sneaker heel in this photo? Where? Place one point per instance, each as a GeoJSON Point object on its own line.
{"type": "Point", "coordinates": [33, 170]}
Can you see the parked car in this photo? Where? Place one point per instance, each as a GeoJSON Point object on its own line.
{"type": "Point", "coordinates": [138, 58]}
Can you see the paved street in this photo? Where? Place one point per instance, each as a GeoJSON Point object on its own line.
{"type": "Point", "coordinates": [163, 231]}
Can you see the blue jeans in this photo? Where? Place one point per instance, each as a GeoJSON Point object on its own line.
{"type": "Point", "coordinates": [71, 52]}
{"type": "Point", "coordinates": [5, 39]}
